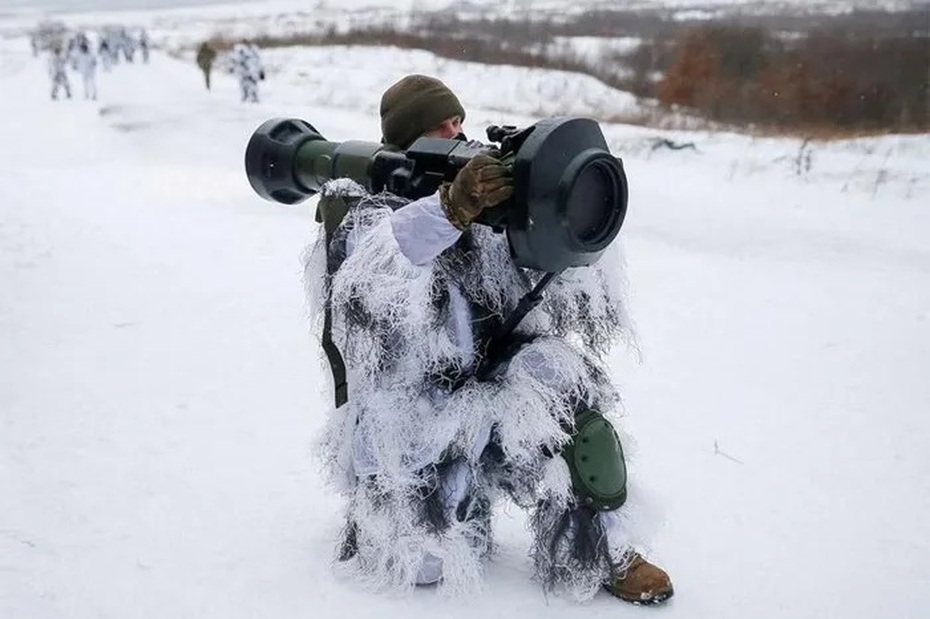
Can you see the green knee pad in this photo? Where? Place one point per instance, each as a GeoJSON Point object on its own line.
{"type": "Point", "coordinates": [595, 460]}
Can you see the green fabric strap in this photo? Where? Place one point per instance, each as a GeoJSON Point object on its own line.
{"type": "Point", "coordinates": [330, 211]}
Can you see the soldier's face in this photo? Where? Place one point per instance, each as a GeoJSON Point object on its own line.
{"type": "Point", "coordinates": [448, 129]}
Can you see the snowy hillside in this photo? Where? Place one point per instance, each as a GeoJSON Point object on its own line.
{"type": "Point", "coordinates": [160, 391]}
{"type": "Point", "coordinates": [74, 6]}
{"type": "Point", "coordinates": [282, 16]}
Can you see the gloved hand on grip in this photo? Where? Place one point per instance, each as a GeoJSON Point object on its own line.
{"type": "Point", "coordinates": [481, 183]}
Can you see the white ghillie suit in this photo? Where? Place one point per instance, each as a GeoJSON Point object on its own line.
{"type": "Point", "coordinates": [420, 462]}
{"type": "Point", "coordinates": [248, 68]}
{"type": "Point", "coordinates": [58, 72]}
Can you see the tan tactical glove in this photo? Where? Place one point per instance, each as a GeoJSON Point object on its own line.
{"type": "Point", "coordinates": [481, 183]}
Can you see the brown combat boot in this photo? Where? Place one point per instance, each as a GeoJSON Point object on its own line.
{"type": "Point", "coordinates": [640, 583]}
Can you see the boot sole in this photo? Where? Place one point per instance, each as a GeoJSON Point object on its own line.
{"type": "Point", "coordinates": [655, 600]}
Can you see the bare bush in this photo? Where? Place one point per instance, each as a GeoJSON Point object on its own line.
{"type": "Point", "coordinates": [821, 81]}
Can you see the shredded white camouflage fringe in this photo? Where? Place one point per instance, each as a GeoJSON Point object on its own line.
{"type": "Point", "coordinates": [388, 328]}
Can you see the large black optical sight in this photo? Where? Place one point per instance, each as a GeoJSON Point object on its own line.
{"type": "Point", "coordinates": [570, 193]}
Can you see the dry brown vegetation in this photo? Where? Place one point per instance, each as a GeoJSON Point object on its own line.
{"type": "Point", "coordinates": [823, 80]}
{"type": "Point", "coordinates": [854, 73]}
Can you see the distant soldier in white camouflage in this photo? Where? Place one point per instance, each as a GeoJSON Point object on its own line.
{"type": "Point", "coordinates": [248, 68]}
{"type": "Point", "coordinates": [85, 62]}
{"type": "Point", "coordinates": [74, 48]}
{"type": "Point", "coordinates": [106, 51]}
{"type": "Point", "coordinates": [58, 72]}
{"type": "Point", "coordinates": [144, 45]}
{"type": "Point", "coordinates": [126, 44]}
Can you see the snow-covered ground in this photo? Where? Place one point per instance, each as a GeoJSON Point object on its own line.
{"type": "Point", "coordinates": [159, 389]}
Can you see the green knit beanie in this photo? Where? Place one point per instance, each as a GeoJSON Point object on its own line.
{"type": "Point", "coordinates": [413, 106]}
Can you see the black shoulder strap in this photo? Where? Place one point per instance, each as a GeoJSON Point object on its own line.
{"type": "Point", "coordinates": [331, 210]}
{"type": "Point", "coordinates": [337, 364]}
